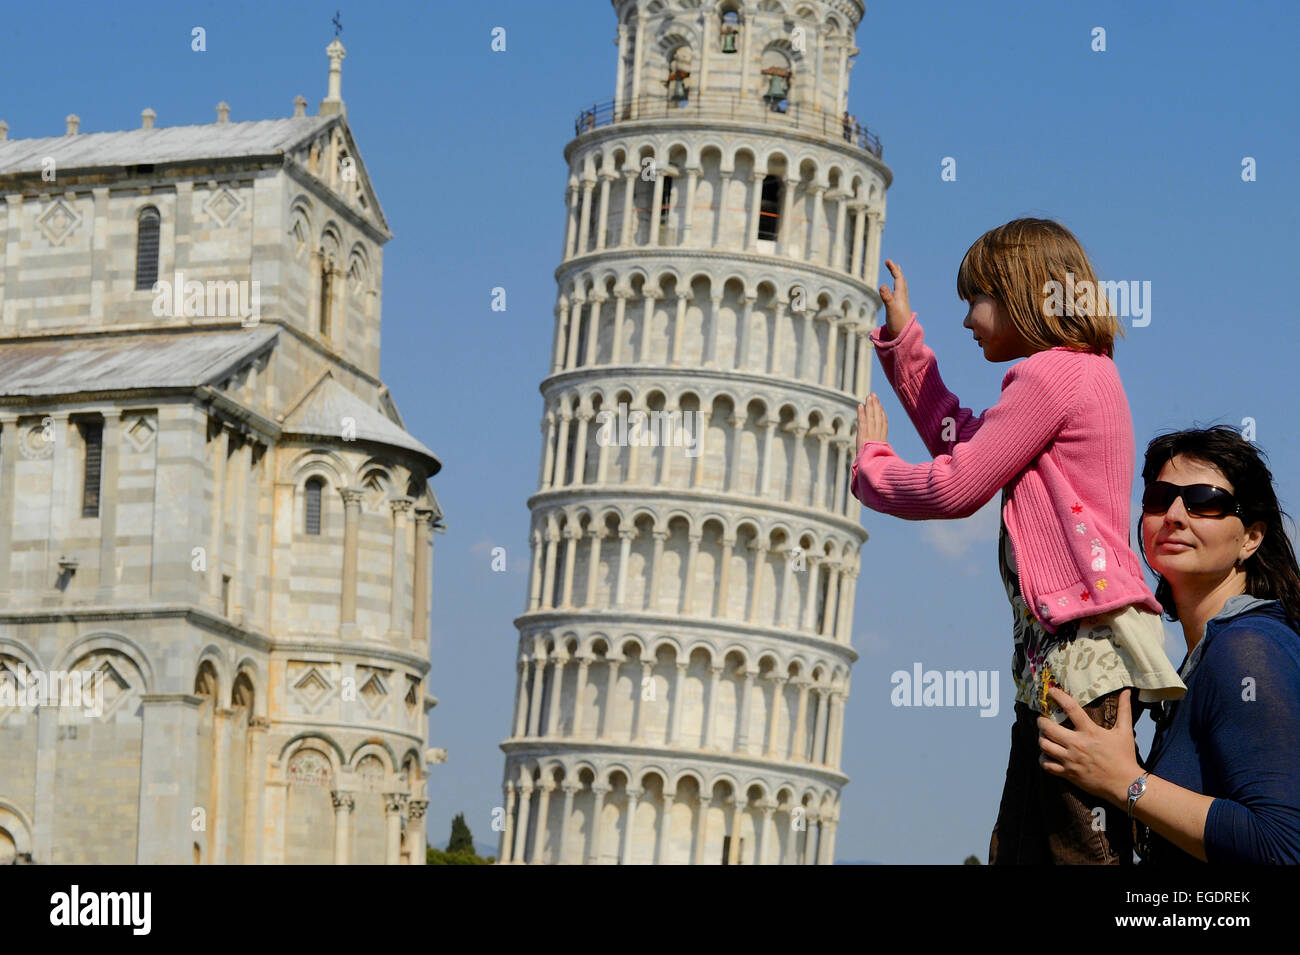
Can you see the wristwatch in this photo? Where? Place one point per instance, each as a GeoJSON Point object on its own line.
{"type": "Point", "coordinates": [1134, 791]}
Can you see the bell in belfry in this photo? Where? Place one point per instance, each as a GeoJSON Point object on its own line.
{"type": "Point", "coordinates": [777, 86]}
{"type": "Point", "coordinates": [729, 41]}
{"type": "Point", "coordinates": [678, 93]}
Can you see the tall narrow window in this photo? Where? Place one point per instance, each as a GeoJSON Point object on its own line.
{"type": "Point", "coordinates": [666, 203]}
{"type": "Point", "coordinates": [146, 248]}
{"type": "Point", "coordinates": [325, 295]}
{"type": "Point", "coordinates": [769, 213]}
{"type": "Point", "coordinates": [92, 434]}
{"type": "Point", "coordinates": [312, 521]}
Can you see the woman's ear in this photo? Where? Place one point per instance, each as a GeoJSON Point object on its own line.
{"type": "Point", "coordinates": [1254, 538]}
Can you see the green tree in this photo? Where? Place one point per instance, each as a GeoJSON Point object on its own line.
{"type": "Point", "coordinates": [461, 840]}
{"type": "Point", "coordinates": [972, 860]}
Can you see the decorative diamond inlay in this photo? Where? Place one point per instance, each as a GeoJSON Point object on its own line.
{"type": "Point", "coordinates": [140, 434]}
{"type": "Point", "coordinates": [58, 222]}
{"type": "Point", "coordinates": [223, 205]}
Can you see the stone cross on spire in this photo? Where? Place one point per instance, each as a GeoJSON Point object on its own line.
{"type": "Point", "coordinates": [333, 101]}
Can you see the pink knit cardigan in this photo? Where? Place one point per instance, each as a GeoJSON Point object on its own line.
{"type": "Point", "coordinates": [1060, 440]}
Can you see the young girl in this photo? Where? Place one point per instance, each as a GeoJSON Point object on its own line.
{"type": "Point", "coordinates": [1059, 445]}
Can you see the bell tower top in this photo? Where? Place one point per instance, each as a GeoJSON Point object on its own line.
{"type": "Point", "coordinates": [736, 55]}
{"type": "Point", "coordinates": [333, 101]}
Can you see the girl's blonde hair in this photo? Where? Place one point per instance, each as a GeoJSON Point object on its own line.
{"type": "Point", "coordinates": [1015, 265]}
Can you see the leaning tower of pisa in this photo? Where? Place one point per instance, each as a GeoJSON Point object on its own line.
{"type": "Point", "coordinates": [685, 650]}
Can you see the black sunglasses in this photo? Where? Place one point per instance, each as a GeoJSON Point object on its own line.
{"type": "Point", "coordinates": [1201, 500]}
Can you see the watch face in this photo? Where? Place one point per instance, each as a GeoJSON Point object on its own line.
{"type": "Point", "coordinates": [1137, 788]}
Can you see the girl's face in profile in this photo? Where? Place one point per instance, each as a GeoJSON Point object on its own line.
{"type": "Point", "coordinates": [993, 330]}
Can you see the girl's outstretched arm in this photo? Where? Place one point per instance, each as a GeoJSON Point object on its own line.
{"type": "Point", "coordinates": [913, 372]}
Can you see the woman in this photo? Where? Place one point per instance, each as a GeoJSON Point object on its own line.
{"type": "Point", "coordinates": [1222, 783]}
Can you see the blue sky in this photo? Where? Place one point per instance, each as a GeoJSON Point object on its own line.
{"type": "Point", "coordinates": [1138, 150]}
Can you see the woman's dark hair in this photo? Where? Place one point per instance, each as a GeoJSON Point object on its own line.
{"type": "Point", "coordinates": [1271, 572]}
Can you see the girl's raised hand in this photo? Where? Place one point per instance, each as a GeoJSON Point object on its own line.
{"type": "Point", "coordinates": [872, 424]}
{"type": "Point", "coordinates": [897, 311]}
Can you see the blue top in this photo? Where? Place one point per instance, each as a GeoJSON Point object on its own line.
{"type": "Point", "coordinates": [1236, 736]}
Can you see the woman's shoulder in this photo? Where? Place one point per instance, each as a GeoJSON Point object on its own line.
{"type": "Point", "coordinates": [1263, 640]}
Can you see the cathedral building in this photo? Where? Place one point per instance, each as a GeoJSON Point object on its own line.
{"type": "Point", "coordinates": [685, 650]}
{"type": "Point", "coordinates": [215, 530]}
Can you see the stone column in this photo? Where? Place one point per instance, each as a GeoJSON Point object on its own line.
{"type": "Point", "coordinates": [828, 611]}
{"type": "Point", "coordinates": [859, 227]}
{"type": "Point", "coordinates": [571, 534]}
{"type": "Point", "coordinates": [710, 707]}
{"type": "Point", "coordinates": [841, 472]}
{"type": "Point", "coordinates": [394, 803]}
{"type": "Point", "coordinates": [10, 435]}
{"type": "Point", "coordinates": [800, 748]}
{"type": "Point", "coordinates": [637, 59]}
{"type": "Point", "coordinates": [556, 664]}
{"type": "Point", "coordinates": [625, 850]}
{"type": "Point", "coordinates": [655, 203]}
{"type": "Point", "coordinates": [217, 824]}
{"type": "Point", "coordinates": [170, 724]}
{"type": "Point", "coordinates": [862, 364]}
{"type": "Point", "coordinates": [871, 267]}
{"type": "Point", "coordinates": [401, 507]}
{"type": "Point", "coordinates": [558, 346]}
{"type": "Point", "coordinates": [579, 696]}
{"type": "Point", "coordinates": [701, 435]}
{"type": "Point", "coordinates": [535, 587]}
{"type": "Point", "coordinates": [819, 734]}
{"type": "Point", "coordinates": [737, 804]}
{"type": "Point", "coordinates": [562, 449]}
{"type": "Point", "coordinates": [832, 345]}
{"type": "Point", "coordinates": [679, 689]}
{"type": "Point", "coordinates": [569, 790]}
{"type": "Point", "coordinates": [584, 417]}
{"type": "Point", "coordinates": [691, 553]}
{"type": "Point", "coordinates": [769, 424]}
{"type": "Point", "coordinates": [844, 624]}
{"type": "Point", "coordinates": [571, 220]}
{"type": "Point", "coordinates": [692, 177]}
{"type": "Point", "coordinates": [255, 790]}
{"type": "Point", "coordinates": [597, 811]}
{"type": "Point", "coordinates": [593, 334]}
{"type": "Point", "coordinates": [507, 844]}
{"type": "Point", "coordinates": [679, 321]}
{"type": "Point", "coordinates": [419, 838]}
{"type": "Point", "coordinates": [548, 578]}
{"type": "Point", "coordinates": [823, 435]}
{"type": "Point", "coordinates": [616, 353]}
{"type": "Point", "coordinates": [826, 844]}
{"type": "Point", "coordinates": [742, 333]}
{"type": "Point", "coordinates": [759, 549]}
{"type": "Point", "coordinates": [521, 834]}
{"type": "Point", "coordinates": [543, 822]}
{"type": "Point", "coordinates": [343, 805]}
{"type": "Point", "coordinates": [802, 370]}
{"type": "Point", "coordinates": [584, 215]}
{"type": "Point", "coordinates": [769, 749]}
{"type": "Point", "coordinates": [813, 250]}
{"type": "Point", "coordinates": [638, 701]}
{"type": "Point", "coordinates": [602, 211]}
{"type": "Point", "coordinates": [810, 838]}
{"type": "Point", "coordinates": [351, 522]}
{"type": "Point", "coordinates": [783, 610]}
{"type": "Point", "coordinates": [850, 352]}
{"type": "Point", "coordinates": [755, 209]}
{"type": "Point", "coordinates": [575, 332]}
{"type": "Point", "coordinates": [701, 807]}
{"type": "Point", "coordinates": [665, 827]}
{"type": "Point", "coordinates": [621, 78]}
{"type": "Point", "coordinates": [629, 181]}
{"type": "Point", "coordinates": [544, 480]}
{"type": "Point", "coordinates": [767, 809]}
{"type": "Point", "coordinates": [810, 600]}
{"type": "Point", "coordinates": [656, 568]}
{"type": "Point", "coordinates": [520, 721]}
{"type": "Point", "coordinates": [837, 248]}
{"type": "Point", "coordinates": [243, 465]}
{"type": "Point", "coordinates": [111, 443]}
{"type": "Point", "coordinates": [784, 238]}
{"type": "Point", "coordinates": [746, 695]}
{"type": "Point", "coordinates": [625, 551]}
{"type": "Point", "coordinates": [711, 343]}
{"type": "Point", "coordinates": [535, 703]}
{"type": "Point", "coordinates": [597, 534]}
{"type": "Point", "coordinates": [611, 684]}
{"type": "Point", "coordinates": [724, 574]}
{"type": "Point", "coordinates": [220, 452]}
{"type": "Point", "coordinates": [423, 572]}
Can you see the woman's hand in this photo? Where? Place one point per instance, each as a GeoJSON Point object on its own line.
{"type": "Point", "coordinates": [1100, 761]}
{"type": "Point", "coordinates": [897, 312]}
{"type": "Point", "coordinates": [872, 424]}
